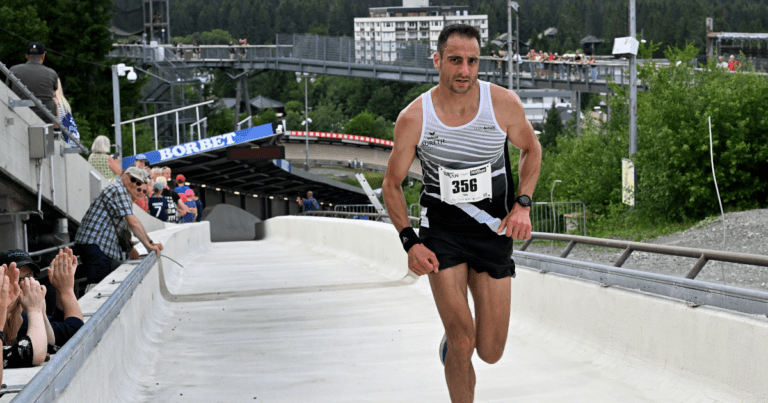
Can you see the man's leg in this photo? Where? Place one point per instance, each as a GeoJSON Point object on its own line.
{"type": "Point", "coordinates": [449, 288]}
{"type": "Point", "coordinates": [492, 303]}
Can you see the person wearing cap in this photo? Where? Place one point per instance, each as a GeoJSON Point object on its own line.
{"type": "Point", "coordinates": [67, 316]}
{"type": "Point", "coordinates": [189, 201]}
{"type": "Point", "coordinates": [158, 205]}
{"type": "Point", "coordinates": [41, 81]}
{"type": "Point", "coordinates": [110, 215]}
{"type": "Point", "coordinates": [180, 186]}
{"type": "Point", "coordinates": [140, 161]}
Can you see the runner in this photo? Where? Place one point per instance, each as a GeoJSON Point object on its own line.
{"type": "Point", "coordinates": [460, 130]}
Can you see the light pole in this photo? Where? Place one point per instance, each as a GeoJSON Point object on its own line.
{"type": "Point", "coordinates": [307, 120]}
{"type": "Point", "coordinates": [119, 70]}
{"type": "Point", "coordinates": [511, 5]}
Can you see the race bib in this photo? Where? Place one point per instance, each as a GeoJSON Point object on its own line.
{"type": "Point", "coordinates": [465, 185]}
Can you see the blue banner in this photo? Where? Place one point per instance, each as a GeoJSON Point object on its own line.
{"type": "Point", "coordinates": [201, 146]}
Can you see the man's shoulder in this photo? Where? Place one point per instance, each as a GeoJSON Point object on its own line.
{"type": "Point", "coordinates": [413, 112]}
{"type": "Point", "coordinates": [503, 97]}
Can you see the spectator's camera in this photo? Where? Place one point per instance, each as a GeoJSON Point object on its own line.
{"type": "Point", "coordinates": [131, 76]}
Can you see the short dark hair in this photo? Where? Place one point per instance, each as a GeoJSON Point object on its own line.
{"type": "Point", "coordinates": [464, 30]}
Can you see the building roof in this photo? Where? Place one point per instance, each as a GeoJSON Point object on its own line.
{"type": "Point", "coordinates": [590, 39]}
{"type": "Point", "coordinates": [551, 31]}
{"type": "Point", "coordinates": [263, 102]}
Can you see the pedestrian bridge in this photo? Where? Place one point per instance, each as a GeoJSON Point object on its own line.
{"type": "Point", "coordinates": [342, 56]}
{"type": "Point", "coordinates": [324, 310]}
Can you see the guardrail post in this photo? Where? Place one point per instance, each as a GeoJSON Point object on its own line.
{"type": "Point", "coordinates": [568, 249]}
{"type": "Point", "coordinates": [527, 244]}
{"type": "Point", "coordinates": [623, 258]}
{"type": "Point", "coordinates": [697, 267]}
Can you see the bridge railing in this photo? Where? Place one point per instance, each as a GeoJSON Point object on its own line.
{"type": "Point", "coordinates": [340, 51]}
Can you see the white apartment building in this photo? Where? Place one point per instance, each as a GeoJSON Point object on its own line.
{"type": "Point", "coordinates": [392, 30]}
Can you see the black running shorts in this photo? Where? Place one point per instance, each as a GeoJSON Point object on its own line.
{"type": "Point", "coordinates": [490, 253]}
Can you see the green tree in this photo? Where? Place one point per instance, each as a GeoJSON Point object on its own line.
{"type": "Point", "coordinates": [553, 128]}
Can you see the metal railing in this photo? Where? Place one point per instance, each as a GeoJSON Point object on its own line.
{"type": "Point", "coordinates": [559, 217]}
{"type": "Point", "coordinates": [353, 215]}
{"type": "Point", "coordinates": [347, 52]}
{"type": "Point", "coordinates": [248, 120]}
{"type": "Point", "coordinates": [355, 208]}
{"type": "Point", "coordinates": [703, 255]}
{"type": "Point", "coordinates": [176, 122]}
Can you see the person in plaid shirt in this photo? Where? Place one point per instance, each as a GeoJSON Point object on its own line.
{"type": "Point", "coordinates": [109, 214]}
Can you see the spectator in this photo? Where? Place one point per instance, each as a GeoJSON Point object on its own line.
{"type": "Point", "coordinates": [180, 186]}
{"type": "Point", "coordinates": [28, 296]}
{"type": "Point", "coordinates": [141, 198]}
{"type": "Point", "coordinates": [176, 208]}
{"type": "Point", "coordinates": [721, 63]}
{"type": "Point", "coordinates": [65, 116]}
{"type": "Point", "coordinates": [158, 205]}
{"type": "Point", "coordinates": [100, 158]}
{"type": "Point", "coordinates": [139, 161]}
{"type": "Point", "coordinates": [98, 240]}
{"type": "Point", "coordinates": [309, 204]}
{"type": "Point", "coordinates": [231, 49]}
{"type": "Point", "coordinates": [67, 316]}
{"type": "Point", "coordinates": [167, 174]}
{"type": "Point", "coordinates": [733, 64]}
{"type": "Point", "coordinates": [41, 81]}
{"type": "Point", "coordinates": [196, 49]}
{"type": "Point", "coordinates": [593, 69]}
{"type": "Point", "coordinates": [188, 199]}
{"type": "Point", "coordinates": [199, 207]}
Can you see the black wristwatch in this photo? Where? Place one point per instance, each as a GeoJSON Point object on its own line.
{"type": "Point", "coordinates": [524, 200]}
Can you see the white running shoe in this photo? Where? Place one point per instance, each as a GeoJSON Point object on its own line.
{"type": "Point", "coordinates": [443, 349]}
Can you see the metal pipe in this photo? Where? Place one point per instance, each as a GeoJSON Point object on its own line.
{"type": "Point", "coordinates": [53, 184]}
{"type": "Point", "coordinates": [40, 187]}
{"type": "Point", "coordinates": [52, 249]}
{"type": "Point", "coordinates": [632, 93]}
{"type": "Point", "coordinates": [116, 107]}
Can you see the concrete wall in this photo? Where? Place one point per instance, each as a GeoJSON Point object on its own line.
{"type": "Point", "coordinates": [654, 335]}
{"type": "Point", "coordinates": [68, 190]}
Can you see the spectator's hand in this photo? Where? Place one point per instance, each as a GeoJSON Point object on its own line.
{"type": "Point", "coordinates": [62, 271]}
{"type": "Point", "coordinates": [114, 165]}
{"type": "Point", "coordinates": [157, 247]}
{"type": "Point", "coordinates": [13, 279]}
{"type": "Point", "coordinates": [5, 287]}
{"type": "Point", "coordinates": [32, 295]}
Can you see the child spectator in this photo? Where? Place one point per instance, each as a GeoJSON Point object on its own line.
{"type": "Point", "coordinates": [176, 207]}
{"type": "Point", "coordinates": [191, 215]}
{"type": "Point", "coordinates": [158, 205]}
{"type": "Point", "coordinates": [180, 186]}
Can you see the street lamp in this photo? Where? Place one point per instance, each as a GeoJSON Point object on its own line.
{"type": "Point", "coordinates": [311, 77]}
{"type": "Point", "coordinates": [120, 70]}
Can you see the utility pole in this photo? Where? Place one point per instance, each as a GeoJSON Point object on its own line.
{"type": "Point", "coordinates": [632, 85]}
{"type": "Point", "coordinates": [633, 97]}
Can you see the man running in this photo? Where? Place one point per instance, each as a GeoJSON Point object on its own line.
{"type": "Point", "coordinates": [459, 130]}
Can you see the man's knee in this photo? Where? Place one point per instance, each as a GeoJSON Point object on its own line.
{"type": "Point", "coordinates": [490, 352]}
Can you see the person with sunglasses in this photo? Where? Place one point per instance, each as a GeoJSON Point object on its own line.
{"type": "Point", "coordinates": [110, 214]}
{"type": "Point", "coordinates": [142, 201]}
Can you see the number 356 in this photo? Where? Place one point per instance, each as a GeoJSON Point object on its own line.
{"type": "Point", "coordinates": [464, 185]}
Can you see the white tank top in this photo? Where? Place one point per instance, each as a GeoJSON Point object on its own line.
{"type": "Point", "coordinates": [474, 144]}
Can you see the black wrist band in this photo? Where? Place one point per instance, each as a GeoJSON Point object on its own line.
{"type": "Point", "coordinates": [409, 238]}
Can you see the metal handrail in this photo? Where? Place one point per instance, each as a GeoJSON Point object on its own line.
{"type": "Point", "coordinates": [165, 113]}
{"type": "Point", "coordinates": [703, 255]}
{"type": "Point", "coordinates": [52, 249]}
{"type": "Point", "coordinates": [325, 213]}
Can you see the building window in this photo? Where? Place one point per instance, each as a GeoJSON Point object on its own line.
{"type": "Point", "coordinates": [433, 44]}
{"type": "Point", "coordinates": [412, 35]}
{"type": "Point", "coordinates": [377, 25]}
{"type": "Point", "coordinates": [387, 25]}
{"type": "Point", "coordinates": [424, 24]}
{"type": "Point", "coordinates": [437, 23]}
{"type": "Point", "coordinates": [466, 12]}
{"type": "Point", "coordinates": [412, 24]}
{"type": "Point", "coordinates": [400, 25]}
{"type": "Point", "coordinates": [378, 34]}
{"type": "Point", "coordinates": [400, 36]}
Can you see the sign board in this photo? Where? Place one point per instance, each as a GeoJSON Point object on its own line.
{"type": "Point", "coordinates": [270, 153]}
{"type": "Point", "coordinates": [627, 182]}
{"type": "Point", "coordinates": [203, 145]}
{"type": "Point", "coordinates": [625, 46]}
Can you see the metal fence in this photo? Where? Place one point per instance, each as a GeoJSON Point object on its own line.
{"type": "Point", "coordinates": [355, 208]}
{"type": "Point", "coordinates": [559, 217]}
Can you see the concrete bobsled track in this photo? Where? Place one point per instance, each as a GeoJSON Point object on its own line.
{"type": "Point", "coordinates": [324, 310]}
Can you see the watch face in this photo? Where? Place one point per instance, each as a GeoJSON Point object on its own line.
{"type": "Point", "coordinates": [524, 200]}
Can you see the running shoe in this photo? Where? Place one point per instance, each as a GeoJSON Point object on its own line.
{"type": "Point", "coordinates": [443, 349]}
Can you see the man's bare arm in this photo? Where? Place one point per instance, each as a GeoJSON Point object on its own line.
{"type": "Point", "coordinates": [407, 134]}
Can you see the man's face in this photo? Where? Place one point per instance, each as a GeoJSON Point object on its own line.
{"type": "Point", "coordinates": [133, 187]}
{"type": "Point", "coordinates": [309, 195]}
{"type": "Point", "coordinates": [731, 58]}
{"type": "Point", "coordinates": [458, 64]}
